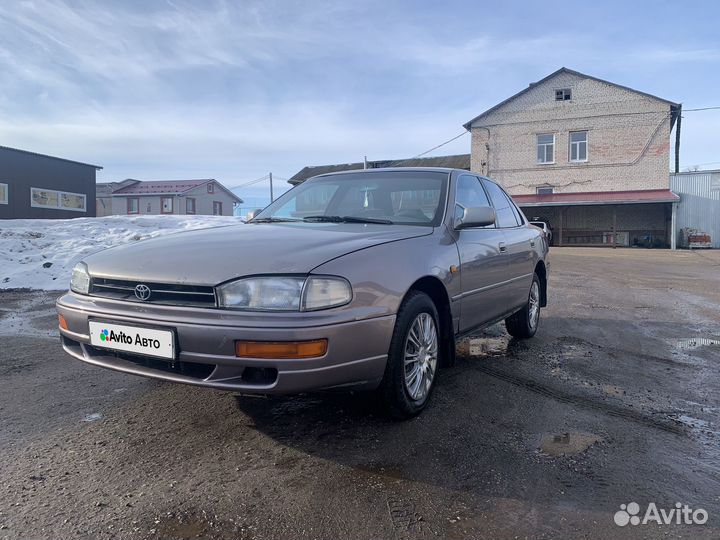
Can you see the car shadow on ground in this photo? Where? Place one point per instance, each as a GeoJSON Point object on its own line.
{"type": "Point", "coordinates": [488, 419]}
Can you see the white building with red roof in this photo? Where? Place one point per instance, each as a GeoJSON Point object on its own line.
{"type": "Point", "coordinates": [155, 197]}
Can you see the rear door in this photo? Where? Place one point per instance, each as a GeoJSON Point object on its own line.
{"type": "Point", "coordinates": [520, 241]}
{"type": "Point", "coordinates": [483, 265]}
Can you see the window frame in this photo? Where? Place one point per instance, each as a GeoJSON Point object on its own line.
{"type": "Point", "coordinates": [59, 195]}
{"type": "Point", "coordinates": [194, 205]}
{"type": "Point", "coordinates": [162, 203]}
{"type": "Point", "coordinates": [220, 204]}
{"type": "Point", "coordinates": [5, 199]}
{"type": "Point", "coordinates": [544, 145]}
{"type": "Point", "coordinates": [211, 187]}
{"type": "Point", "coordinates": [565, 96]}
{"type": "Point", "coordinates": [571, 144]}
{"type": "Point", "coordinates": [128, 208]}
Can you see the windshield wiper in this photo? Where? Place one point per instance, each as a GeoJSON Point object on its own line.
{"type": "Point", "coordinates": [347, 219]}
{"type": "Point", "coordinates": [273, 220]}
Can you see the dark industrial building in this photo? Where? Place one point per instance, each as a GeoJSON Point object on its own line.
{"type": "Point", "coordinates": [39, 186]}
{"type": "Point", "coordinates": [459, 161]}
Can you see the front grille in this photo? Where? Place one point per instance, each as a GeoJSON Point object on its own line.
{"type": "Point", "coordinates": [160, 293]}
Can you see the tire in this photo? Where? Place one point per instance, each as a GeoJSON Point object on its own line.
{"type": "Point", "coordinates": [524, 323]}
{"type": "Point", "coordinates": [403, 395]}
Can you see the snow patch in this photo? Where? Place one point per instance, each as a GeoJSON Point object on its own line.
{"type": "Point", "coordinates": [40, 253]}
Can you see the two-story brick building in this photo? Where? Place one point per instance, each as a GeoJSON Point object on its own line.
{"type": "Point", "coordinates": [588, 156]}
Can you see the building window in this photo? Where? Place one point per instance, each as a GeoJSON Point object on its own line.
{"type": "Point", "coordinates": [3, 193]}
{"type": "Point", "coordinates": [546, 148]}
{"type": "Point", "coordinates": [578, 145]}
{"type": "Point", "coordinates": [211, 187]}
{"type": "Point", "coordinates": [133, 205]}
{"type": "Point", "coordinates": [563, 94]}
{"type": "Point", "coordinates": [166, 205]}
{"type": "Point", "coordinates": [43, 198]}
{"type": "Point", "coordinates": [72, 201]}
{"type": "Point", "coordinates": [61, 200]}
{"type": "Point", "coordinates": [545, 190]}
{"type": "Point", "coordinates": [189, 205]}
{"type": "Point", "coordinates": [217, 208]}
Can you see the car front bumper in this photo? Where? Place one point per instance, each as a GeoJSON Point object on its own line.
{"type": "Point", "coordinates": [205, 341]}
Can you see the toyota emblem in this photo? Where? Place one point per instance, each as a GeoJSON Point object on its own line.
{"type": "Point", "coordinates": [142, 292]}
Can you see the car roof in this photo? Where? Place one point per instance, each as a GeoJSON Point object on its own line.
{"type": "Point", "coordinates": [391, 169]}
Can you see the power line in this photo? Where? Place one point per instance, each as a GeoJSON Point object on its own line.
{"type": "Point", "coordinates": [440, 145]}
{"type": "Point", "coordinates": [700, 164]}
{"type": "Point", "coordinates": [251, 182]}
{"type": "Point", "coordinates": [701, 109]}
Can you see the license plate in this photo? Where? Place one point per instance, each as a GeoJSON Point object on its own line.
{"type": "Point", "coordinates": [133, 339]}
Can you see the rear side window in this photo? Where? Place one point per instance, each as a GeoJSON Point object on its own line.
{"type": "Point", "coordinates": [507, 215]}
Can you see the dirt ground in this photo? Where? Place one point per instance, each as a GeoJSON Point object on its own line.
{"type": "Point", "coordinates": [615, 400]}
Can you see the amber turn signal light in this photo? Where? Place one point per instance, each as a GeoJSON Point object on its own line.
{"type": "Point", "coordinates": [281, 349]}
{"type": "Point", "coordinates": [62, 322]}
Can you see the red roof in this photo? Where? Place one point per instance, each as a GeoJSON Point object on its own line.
{"type": "Point", "coordinates": [598, 197]}
{"type": "Point", "coordinates": [156, 187]}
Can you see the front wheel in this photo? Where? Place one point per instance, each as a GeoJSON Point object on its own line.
{"type": "Point", "coordinates": [413, 357]}
{"type": "Point", "coordinates": [524, 323]}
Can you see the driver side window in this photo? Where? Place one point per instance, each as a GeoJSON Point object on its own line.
{"type": "Point", "coordinates": [469, 194]}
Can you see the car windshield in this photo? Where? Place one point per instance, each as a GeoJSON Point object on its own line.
{"type": "Point", "coordinates": [380, 197]}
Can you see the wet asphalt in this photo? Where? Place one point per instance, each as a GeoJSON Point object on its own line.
{"type": "Point", "coordinates": [616, 400]}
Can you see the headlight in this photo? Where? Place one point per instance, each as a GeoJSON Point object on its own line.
{"type": "Point", "coordinates": [325, 292]}
{"type": "Point", "coordinates": [80, 280]}
{"type": "Point", "coordinates": [279, 293]}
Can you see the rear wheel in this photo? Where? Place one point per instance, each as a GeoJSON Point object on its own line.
{"type": "Point", "coordinates": [413, 358]}
{"type": "Point", "coordinates": [524, 323]}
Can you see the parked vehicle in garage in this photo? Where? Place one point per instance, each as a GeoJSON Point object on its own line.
{"type": "Point", "coordinates": [545, 227]}
{"type": "Point", "coordinates": [353, 280]}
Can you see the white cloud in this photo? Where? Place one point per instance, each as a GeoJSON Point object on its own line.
{"type": "Point", "coordinates": [234, 89]}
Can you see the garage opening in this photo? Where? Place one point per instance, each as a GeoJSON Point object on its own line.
{"type": "Point", "coordinates": [609, 219]}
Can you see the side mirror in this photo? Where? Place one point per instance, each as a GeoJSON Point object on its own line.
{"type": "Point", "coordinates": [478, 216]}
{"type": "Point", "coordinates": [253, 213]}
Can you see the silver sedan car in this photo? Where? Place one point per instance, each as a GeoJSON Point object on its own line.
{"type": "Point", "coordinates": [355, 280]}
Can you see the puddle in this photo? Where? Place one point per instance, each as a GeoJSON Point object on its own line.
{"type": "Point", "coordinates": [487, 346]}
{"type": "Point", "coordinates": [689, 421]}
{"type": "Point", "coordinates": [389, 470]}
{"type": "Point", "coordinates": [186, 525]}
{"type": "Point", "coordinates": [611, 390]}
{"type": "Point", "coordinates": [695, 343]}
{"type": "Point", "coordinates": [567, 444]}
{"type": "Point", "coordinates": [34, 316]}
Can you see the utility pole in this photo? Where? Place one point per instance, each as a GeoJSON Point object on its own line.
{"type": "Point", "coordinates": [272, 198]}
{"type": "Point", "coordinates": [365, 163]}
{"type": "Point", "coordinates": [677, 139]}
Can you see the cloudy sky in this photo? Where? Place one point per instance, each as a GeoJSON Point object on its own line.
{"type": "Point", "coordinates": [232, 90]}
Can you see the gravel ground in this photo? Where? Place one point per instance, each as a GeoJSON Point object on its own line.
{"type": "Point", "coordinates": [615, 401]}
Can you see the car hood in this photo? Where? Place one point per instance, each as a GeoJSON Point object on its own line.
{"type": "Point", "coordinates": [211, 256]}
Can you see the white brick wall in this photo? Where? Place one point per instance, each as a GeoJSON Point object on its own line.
{"type": "Point", "coordinates": [628, 139]}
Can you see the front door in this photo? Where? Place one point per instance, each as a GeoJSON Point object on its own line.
{"type": "Point", "coordinates": [483, 264]}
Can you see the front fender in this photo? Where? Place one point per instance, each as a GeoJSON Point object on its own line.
{"type": "Point", "coordinates": [382, 275]}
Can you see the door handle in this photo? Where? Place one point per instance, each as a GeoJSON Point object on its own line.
{"type": "Point", "coordinates": [503, 247]}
